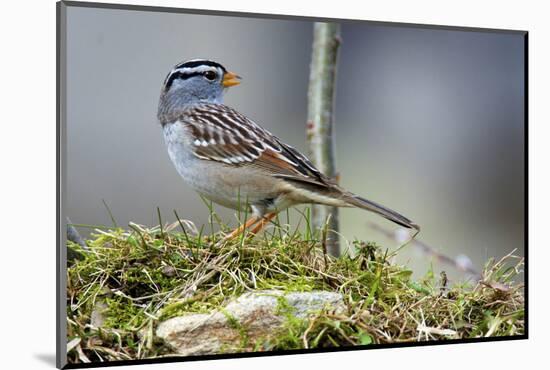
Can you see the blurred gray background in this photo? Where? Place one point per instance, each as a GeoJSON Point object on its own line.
{"type": "Point", "coordinates": [428, 122]}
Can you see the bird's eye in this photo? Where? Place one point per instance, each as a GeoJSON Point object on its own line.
{"type": "Point", "coordinates": [210, 75]}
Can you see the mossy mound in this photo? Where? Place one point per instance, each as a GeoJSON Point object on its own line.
{"type": "Point", "coordinates": [127, 282]}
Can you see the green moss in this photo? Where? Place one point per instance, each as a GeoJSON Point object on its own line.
{"type": "Point", "coordinates": [144, 276]}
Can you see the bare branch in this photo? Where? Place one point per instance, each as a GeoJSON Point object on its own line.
{"type": "Point", "coordinates": [320, 131]}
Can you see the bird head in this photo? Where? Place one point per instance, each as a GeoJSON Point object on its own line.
{"type": "Point", "coordinates": [198, 80]}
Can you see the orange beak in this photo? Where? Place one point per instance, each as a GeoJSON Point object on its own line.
{"type": "Point", "coordinates": [230, 79]}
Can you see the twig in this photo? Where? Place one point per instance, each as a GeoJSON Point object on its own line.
{"type": "Point", "coordinates": [429, 251]}
{"type": "Point", "coordinates": [110, 213]}
{"type": "Point", "coordinates": [324, 243]}
{"type": "Point", "coordinates": [160, 223]}
{"type": "Point", "coordinates": [322, 81]}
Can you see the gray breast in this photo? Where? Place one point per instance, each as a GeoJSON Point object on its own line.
{"type": "Point", "coordinates": [227, 185]}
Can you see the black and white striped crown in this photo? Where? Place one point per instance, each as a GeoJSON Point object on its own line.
{"type": "Point", "coordinates": [190, 68]}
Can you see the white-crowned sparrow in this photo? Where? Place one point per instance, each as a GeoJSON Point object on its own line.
{"type": "Point", "coordinates": [231, 160]}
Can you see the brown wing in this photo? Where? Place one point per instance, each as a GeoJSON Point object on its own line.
{"type": "Point", "coordinates": [222, 134]}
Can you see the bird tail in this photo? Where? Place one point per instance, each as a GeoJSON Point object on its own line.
{"type": "Point", "coordinates": [393, 216]}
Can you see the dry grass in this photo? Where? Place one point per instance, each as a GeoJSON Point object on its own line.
{"type": "Point", "coordinates": [140, 277]}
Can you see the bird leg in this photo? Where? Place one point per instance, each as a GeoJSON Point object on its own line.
{"type": "Point", "coordinates": [258, 222]}
{"type": "Point", "coordinates": [263, 222]}
{"type": "Point", "coordinates": [239, 230]}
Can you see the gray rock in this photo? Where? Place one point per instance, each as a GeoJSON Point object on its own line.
{"type": "Point", "coordinates": [251, 317]}
{"type": "Point", "coordinates": [97, 319]}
